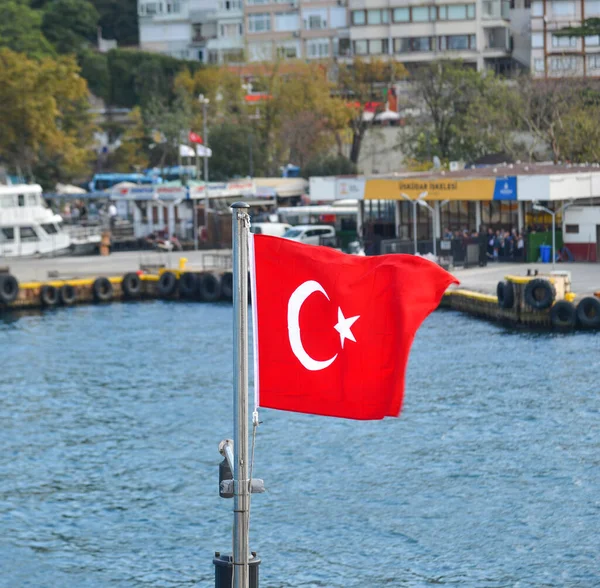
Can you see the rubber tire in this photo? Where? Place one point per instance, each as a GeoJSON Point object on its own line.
{"type": "Point", "coordinates": [131, 285]}
{"type": "Point", "coordinates": [227, 286]}
{"type": "Point", "coordinates": [188, 285]}
{"type": "Point", "coordinates": [563, 315]}
{"type": "Point", "coordinates": [209, 287]}
{"type": "Point", "coordinates": [9, 288]}
{"type": "Point", "coordinates": [103, 290]}
{"type": "Point", "coordinates": [67, 294]}
{"type": "Point", "coordinates": [167, 284]}
{"type": "Point", "coordinates": [49, 295]}
{"type": "Point", "coordinates": [548, 291]}
{"type": "Point", "coordinates": [506, 295]}
{"type": "Point", "coordinates": [588, 313]}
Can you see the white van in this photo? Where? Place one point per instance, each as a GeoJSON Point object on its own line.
{"type": "Point", "coordinates": [273, 229]}
{"type": "Point", "coordinates": [310, 234]}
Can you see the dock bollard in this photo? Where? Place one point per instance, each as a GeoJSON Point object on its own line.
{"type": "Point", "coordinates": [224, 570]}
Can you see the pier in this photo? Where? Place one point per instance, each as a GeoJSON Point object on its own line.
{"type": "Point", "coordinates": [206, 276]}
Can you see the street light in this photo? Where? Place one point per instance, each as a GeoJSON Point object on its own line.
{"type": "Point", "coordinates": [552, 213]}
{"type": "Point", "coordinates": [205, 102]}
{"type": "Point", "coordinates": [414, 203]}
{"type": "Point", "coordinates": [432, 210]}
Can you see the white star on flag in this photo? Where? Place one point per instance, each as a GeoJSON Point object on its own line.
{"type": "Point", "coordinates": [343, 326]}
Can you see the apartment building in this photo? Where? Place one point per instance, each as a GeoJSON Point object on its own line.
{"type": "Point", "coordinates": [296, 29]}
{"type": "Point", "coordinates": [413, 31]}
{"type": "Point", "coordinates": [211, 31]}
{"type": "Point", "coordinates": [547, 56]}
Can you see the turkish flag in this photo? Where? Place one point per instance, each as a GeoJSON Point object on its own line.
{"type": "Point", "coordinates": [332, 332]}
{"type": "Point", "coordinates": [195, 138]}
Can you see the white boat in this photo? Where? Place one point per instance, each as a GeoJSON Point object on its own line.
{"type": "Point", "coordinates": [27, 226]}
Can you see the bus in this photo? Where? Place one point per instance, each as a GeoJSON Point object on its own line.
{"type": "Point", "coordinates": [102, 182]}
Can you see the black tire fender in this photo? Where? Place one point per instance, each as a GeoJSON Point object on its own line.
{"type": "Point", "coordinates": [188, 285]}
{"type": "Point", "coordinates": [102, 289]}
{"type": "Point", "coordinates": [49, 295]}
{"type": "Point", "coordinates": [131, 285]}
{"type": "Point", "coordinates": [506, 295]}
{"type": "Point", "coordinates": [67, 294]}
{"type": "Point", "coordinates": [167, 284]}
{"type": "Point", "coordinates": [588, 313]}
{"type": "Point", "coordinates": [227, 286]}
{"type": "Point", "coordinates": [563, 315]}
{"type": "Point", "coordinates": [209, 287]}
{"type": "Point", "coordinates": [9, 288]}
{"type": "Point", "coordinates": [539, 294]}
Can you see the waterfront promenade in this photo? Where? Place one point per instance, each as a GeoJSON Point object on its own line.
{"type": "Point", "coordinates": [585, 276]}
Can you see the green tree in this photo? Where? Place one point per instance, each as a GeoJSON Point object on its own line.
{"type": "Point", "coordinates": [118, 20]}
{"type": "Point", "coordinates": [232, 146]}
{"type": "Point", "coordinates": [94, 68]}
{"type": "Point", "coordinates": [70, 24]}
{"type": "Point", "coordinates": [361, 82]}
{"type": "Point", "coordinates": [44, 112]}
{"type": "Point", "coordinates": [337, 165]}
{"type": "Point", "coordinates": [21, 29]}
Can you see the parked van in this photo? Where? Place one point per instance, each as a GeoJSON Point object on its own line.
{"type": "Point", "coordinates": [311, 234]}
{"type": "Point", "coordinates": [273, 229]}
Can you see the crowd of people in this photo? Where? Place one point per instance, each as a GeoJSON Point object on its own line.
{"type": "Point", "coordinates": [505, 244]}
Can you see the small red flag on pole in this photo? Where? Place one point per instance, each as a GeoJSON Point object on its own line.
{"type": "Point", "coordinates": [332, 332]}
{"type": "Point", "coordinates": [195, 138]}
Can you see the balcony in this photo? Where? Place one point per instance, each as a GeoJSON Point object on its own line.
{"type": "Point", "coordinates": [496, 39]}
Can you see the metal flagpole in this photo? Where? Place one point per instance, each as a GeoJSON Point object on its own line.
{"type": "Point", "coordinates": [241, 498]}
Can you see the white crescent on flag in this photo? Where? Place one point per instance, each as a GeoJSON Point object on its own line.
{"type": "Point", "coordinates": [297, 299]}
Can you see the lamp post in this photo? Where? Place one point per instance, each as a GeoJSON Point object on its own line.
{"type": "Point", "coordinates": [414, 203]}
{"type": "Point", "coordinates": [552, 213]}
{"type": "Point", "coordinates": [432, 210]}
{"type": "Point", "coordinates": [205, 102]}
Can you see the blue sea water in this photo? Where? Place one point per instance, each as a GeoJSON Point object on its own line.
{"type": "Point", "coordinates": [110, 419]}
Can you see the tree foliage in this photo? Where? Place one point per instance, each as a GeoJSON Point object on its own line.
{"type": "Point", "coordinates": [361, 82]}
{"type": "Point", "coordinates": [70, 24]}
{"type": "Point", "coordinates": [46, 127]}
{"type": "Point", "coordinates": [118, 20]}
{"type": "Point", "coordinates": [21, 29]}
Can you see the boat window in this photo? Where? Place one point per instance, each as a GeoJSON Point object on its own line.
{"type": "Point", "coordinates": [7, 234]}
{"type": "Point", "coordinates": [50, 228]}
{"type": "Point", "coordinates": [32, 199]}
{"type": "Point", "coordinates": [28, 234]}
{"type": "Point", "coordinates": [21, 200]}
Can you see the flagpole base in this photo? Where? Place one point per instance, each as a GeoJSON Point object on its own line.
{"type": "Point", "coordinates": [224, 570]}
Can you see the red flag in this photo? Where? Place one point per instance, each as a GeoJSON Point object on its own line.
{"type": "Point", "coordinates": [332, 332]}
{"type": "Point", "coordinates": [195, 138]}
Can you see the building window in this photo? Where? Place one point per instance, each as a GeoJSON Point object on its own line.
{"type": "Point", "coordinates": [151, 8]}
{"type": "Point", "coordinates": [359, 17]}
{"type": "Point", "coordinates": [257, 2]}
{"type": "Point", "coordinates": [593, 61]}
{"type": "Point", "coordinates": [537, 8]}
{"type": "Point", "coordinates": [420, 13]}
{"type": "Point", "coordinates": [563, 63]}
{"type": "Point", "coordinates": [537, 40]}
{"type": "Point", "coordinates": [592, 8]}
{"type": "Point", "coordinates": [563, 7]}
{"type": "Point", "coordinates": [378, 47]}
{"type": "Point", "coordinates": [315, 22]}
{"type": "Point", "coordinates": [361, 47]}
{"type": "Point", "coordinates": [457, 42]}
{"type": "Point", "coordinates": [287, 51]}
{"type": "Point", "coordinates": [401, 15]}
{"type": "Point", "coordinates": [259, 23]}
{"type": "Point", "coordinates": [592, 41]}
{"type": "Point", "coordinates": [538, 65]}
{"type": "Point", "coordinates": [317, 48]}
{"type": "Point", "coordinates": [564, 42]}
{"type": "Point", "coordinates": [457, 12]}
{"type": "Point", "coordinates": [418, 44]}
{"type": "Point", "coordinates": [401, 45]}
{"type": "Point", "coordinates": [376, 17]}
{"type": "Point", "coordinates": [287, 21]}
{"type": "Point", "coordinates": [573, 229]}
